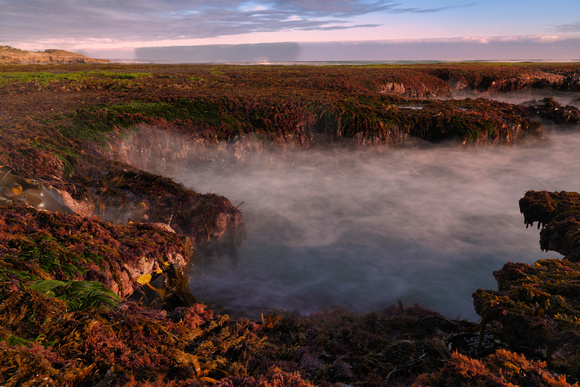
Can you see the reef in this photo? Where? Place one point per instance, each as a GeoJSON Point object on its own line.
{"type": "Point", "coordinates": [535, 308]}
{"type": "Point", "coordinates": [95, 248]}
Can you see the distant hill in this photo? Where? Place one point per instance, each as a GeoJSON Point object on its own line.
{"type": "Point", "coordinates": [11, 55]}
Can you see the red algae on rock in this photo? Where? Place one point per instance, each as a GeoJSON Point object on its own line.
{"type": "Point", "coordinates": [60, 246]}
{"type": "Point", "coordinates": [122, 194]}
{"type": "Point", "coordinates": [535, 308]}
{"type": "Point", "coordinates": [503, 368]}
{"type": "Point", "coordinates": [62, 319]}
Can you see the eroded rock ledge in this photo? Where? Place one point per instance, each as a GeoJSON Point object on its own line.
{"type": "Point", "coordinates": [536, 307]}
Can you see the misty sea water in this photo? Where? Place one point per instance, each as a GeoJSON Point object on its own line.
{"type": "Point", "coordinates": [362, 229]}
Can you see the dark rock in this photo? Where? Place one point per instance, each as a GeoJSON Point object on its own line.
{"type": "Point", "coordinates": [572, 82]}
{"type": "Point", "coordinates": [535, 306]}
{"type": "Point", "coordinates": [558, 213]}
{"type": "Point", "coordinates": [550, 109]}
{"type": "Point", "coordinates": [121, 194]}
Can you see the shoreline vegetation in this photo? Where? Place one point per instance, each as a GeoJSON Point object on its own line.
{"type": "Point", "coordinates": [94, 249]}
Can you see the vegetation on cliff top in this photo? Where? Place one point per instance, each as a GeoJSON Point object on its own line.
{"type": "Point", "coordinates": [11, 55]}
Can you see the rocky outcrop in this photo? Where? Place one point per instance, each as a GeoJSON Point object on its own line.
{"type": "Point", "coordinates": [550, 109]}
{"type": "Point", "coordinates": [58, 246]}
{"type": "Point", "coordinates": [535, 311]}
{"type": "Point", "coordinates": [500, 78]}
{"type": "Point", "coordinates": [558, 213]}
{"type": "Point", "coordinates": [10, 55]}
{"type": "Point", "coordinates": [535, 308]}
{"type": "Point", "coordinates": [360, 121]}
{"type": "Point", "coordinates": [122, 194]}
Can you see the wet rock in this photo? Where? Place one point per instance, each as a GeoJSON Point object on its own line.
{"type": "Point", "coordinates": [29, 192]}
{"type": "Point", "coordinates": [122, 194]}
{"type": "Point", "coordinates": [558, 213]}
{"type": "Point", "coordinates": [550, 109]}
{"type": "Point", "coordinates": [535, 306]}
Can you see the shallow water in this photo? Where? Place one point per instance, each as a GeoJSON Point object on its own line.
{"type": "Point", "coordinates": [362, 229]}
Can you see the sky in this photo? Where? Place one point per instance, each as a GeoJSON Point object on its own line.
{"type": "Point", "coordinates": [191, 30]}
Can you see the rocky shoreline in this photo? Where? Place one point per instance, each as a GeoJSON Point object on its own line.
{"type": "Point", "coordinates": [93, 248]}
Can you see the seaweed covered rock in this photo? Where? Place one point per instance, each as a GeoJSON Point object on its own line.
{"type": "Point", "coordinates": [543, 206]}
{"type": "Point", "coordinates": [368, 121]}
{"type": "Point", "coordinates": [387, 348]}
{"type": "Point", "coordinates": [550, 109]}
{"type": "Point", "coordinates": [124, 345]}
{"type": "Point", "coordinates": [40, 245]}
{"type": "Point", "coordinates": [558, 213]}
{"type": "Point", "coordinates": [62, 321]}
{"type": "Point", "coordinates": [498, 78]}
{"type": "Point", "coordinates": [536, 306]}
{"type": "Point", "coordinates": [503, 368]}
{"type": "Point", "coordinates": [535, 311]}
{"type": "Point", "coordinates": [122, 194]}
{"type": "Point", "coordinates": [392, 120]}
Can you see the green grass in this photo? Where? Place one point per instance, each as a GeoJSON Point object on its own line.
{"type": "Point", "coordinates": [90, 124]}
{"type": "Point", "coordinates": [50, 256]}
{"type": "Point", "coordinates": [15, 340]}
{"type": "Point", "coordinates": [45, 77]}
{"type": "Point", "coordinates": [78, 294]}
{"type": "Point", "coordinates": [66, 154]}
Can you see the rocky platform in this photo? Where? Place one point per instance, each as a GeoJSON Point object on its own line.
{"type": "Point", "coordinates": [93, 247]}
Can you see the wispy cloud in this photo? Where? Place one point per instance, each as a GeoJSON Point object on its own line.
{"type": "Point", "coordinates": [429, 10]}
{"type": "Point", "coordinates": [137, 20]}
{"type": "Point", "coordinates": [571, 27]}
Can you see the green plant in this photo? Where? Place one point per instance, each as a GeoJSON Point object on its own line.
{"type": "Point", "coordinates": [78, 294]}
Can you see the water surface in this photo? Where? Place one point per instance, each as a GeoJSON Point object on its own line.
{"type": "Point", "coordinates": [362, 229]}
